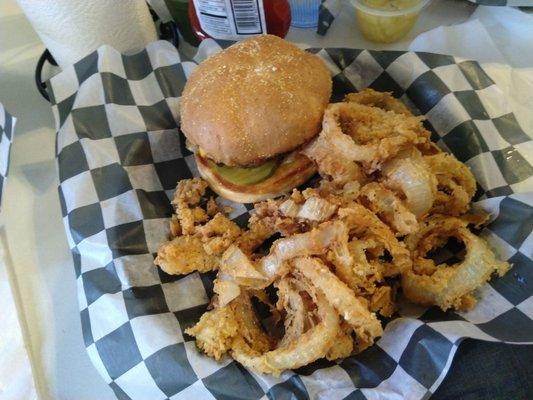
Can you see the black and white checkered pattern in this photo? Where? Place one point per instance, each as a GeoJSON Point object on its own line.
{"type": "Point", "coordinates": [327, 12]}
{"type": "Point", "coordinates": [120, 156]}
{"type": "Point", "coordinates": [7, 128]}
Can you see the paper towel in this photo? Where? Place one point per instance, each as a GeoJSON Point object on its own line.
{"type": "Point", "coordinates": [71, 29]}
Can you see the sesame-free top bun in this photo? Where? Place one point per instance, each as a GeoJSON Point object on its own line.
{"type": "Point", "coordinates": [257, 99]}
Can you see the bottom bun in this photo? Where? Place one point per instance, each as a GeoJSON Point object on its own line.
{"type": "Point", "coordinates": [296, 170]}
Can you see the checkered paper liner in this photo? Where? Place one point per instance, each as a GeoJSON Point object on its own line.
{"type": "Point", "coordinates": [120, 156]}
{"type": "Point", "coordinates": [7, 128]}
{"type": "Point", "coordinates": [327, 12]}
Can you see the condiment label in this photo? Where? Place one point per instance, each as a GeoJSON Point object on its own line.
{"type": "Point", "coordinates": [231, 19]}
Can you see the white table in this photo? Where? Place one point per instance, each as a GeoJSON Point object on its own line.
{"type": "Point", "coordinates": [43, 268]}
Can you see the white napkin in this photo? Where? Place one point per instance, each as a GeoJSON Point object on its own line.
{"type": "Point", "coordinates": [500, 39]}
{"type": "Point", "coordinates": [16, 380]}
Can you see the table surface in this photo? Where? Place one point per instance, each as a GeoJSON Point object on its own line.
{"type": "Point", "coordinates": [44, 275]}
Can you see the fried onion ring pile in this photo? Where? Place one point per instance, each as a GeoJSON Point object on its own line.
{"type": "Point", "coordinates": [328, 262]}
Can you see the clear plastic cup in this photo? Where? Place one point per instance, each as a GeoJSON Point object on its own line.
{"type": "Point", "coordinates": [304, 13]}
{"type": "Point", "coordinates": [387, 21]}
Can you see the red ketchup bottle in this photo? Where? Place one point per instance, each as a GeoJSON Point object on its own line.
{"type": "Point", "coordinates": [239, 19]}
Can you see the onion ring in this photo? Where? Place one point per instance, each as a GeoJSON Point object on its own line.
{"type": "Point", "coordinates": [308, 347]}
{"type": "Point", "coordinates": [331, 163]}
{"type": "Point", "coordinates": [236, 270]}
{"type": "Point", "coordinates": [351, 308]}
{"type": "Point", "coordinates": [292, 302]}
{"type": "Point", "coordinates": [237, 264]}
{"type": "Point", "coordinates": [364, 224]}
{"type": "Point", "coordinates": [314, 242]}
{"type": "Point", "coordinates": [384, 100]}
{"type": "Point", "coordinates": [258, 231]}
{"type": "Point", "coordinates": [382, 301]}
{"type": "Point", "coordinates": [226, 289]}
{"type": "Point", "coordinates": [369, 135]}
{"type": "Point", "coordinates": [448, 286]}
{"type": "Point", "coordinates": [343, 345]}
{"type": "Point", "coordinates": [389, 207]}
{"type": "Point", "coordinates": [412, 177]}
{"type": "Point", "coordinates": [456, 184]}
{"type": "Point", "coordinates": [314, 208]}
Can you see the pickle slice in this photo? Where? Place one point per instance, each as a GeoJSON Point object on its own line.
{"type": "Point", "coordinates": [246, 176]}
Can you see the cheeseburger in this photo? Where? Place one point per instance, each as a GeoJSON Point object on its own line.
{"type": "Point", "coordinates": [247, 111]}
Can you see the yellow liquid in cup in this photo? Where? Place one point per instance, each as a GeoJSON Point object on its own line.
{"type": "Point", "coordinates": [386, 29]}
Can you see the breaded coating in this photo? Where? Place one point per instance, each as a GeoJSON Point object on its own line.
{"type": "Point", "coordinates": [384, 100]}
{"type": "Point", "coordinates": [183, 255]}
